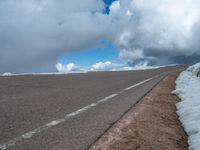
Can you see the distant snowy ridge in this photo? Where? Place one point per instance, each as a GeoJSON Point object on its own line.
{"type": "Point", "coordinates": [188, 90]}
{"type": "Point", "coordinates": [98, 67]}
{"type": "Point", "coordinates": [21, 74]}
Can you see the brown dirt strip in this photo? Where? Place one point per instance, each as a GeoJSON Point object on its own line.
{"type": "Point", "coordinates": [152, 124]}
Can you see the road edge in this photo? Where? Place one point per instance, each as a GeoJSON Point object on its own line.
{"type": "Point", "coordinates": [111, 125]}
{"type": "Point", "coordinates": [105, 142]}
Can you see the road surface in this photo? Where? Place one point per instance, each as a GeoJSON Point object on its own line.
{"type": "Point", "coordinates": [61, 112]}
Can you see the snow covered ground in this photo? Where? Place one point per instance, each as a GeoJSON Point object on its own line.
{"type": "Point", "coordinates": [188, 90]}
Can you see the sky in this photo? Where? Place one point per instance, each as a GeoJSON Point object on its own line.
{"type": "Point", "coordinates": [87, 57]}
{"type": "Point", "coordinates": [51, 36]}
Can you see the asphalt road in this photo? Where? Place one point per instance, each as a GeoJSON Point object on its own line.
{"type": "Point", "coordinates": [61, 112]}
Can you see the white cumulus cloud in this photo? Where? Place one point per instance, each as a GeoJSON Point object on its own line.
{"type": "Point", "coordinates": [104, 66]}
{"type": "Point", "coordinates": [66, 68]}
{"type": "Point", "coordinates": [110, 66]}
{"type": "Point", "coordinates": [100, 66]}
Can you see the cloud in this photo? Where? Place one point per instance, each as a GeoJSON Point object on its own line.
{"type": "Point", "coordinates": [101, 66]}
{"type": "Point", "coordinates": [115, 6]}
{"type": "Point", "coordinates": [70, 67]}
{"type": "Point", "coordinates": [105, 66]}
{"type": "Point", "coordinates": [159, 31]}
{"type": "Point", "coordinates": [34, 33]}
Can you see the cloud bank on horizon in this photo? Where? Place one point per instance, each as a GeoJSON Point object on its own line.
{"type": "Point", "coordinates": [34, 33]}
{"type": "Point", "coordinates": [101, 66]}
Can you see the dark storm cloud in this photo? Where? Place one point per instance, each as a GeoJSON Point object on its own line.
{"type": "Point", "coordinates": [34, 33]}
{"type": "Point", "coordinates": [159, 32]}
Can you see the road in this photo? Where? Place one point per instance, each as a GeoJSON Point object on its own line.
{"type": "Point", "coordinates": [61, 112]}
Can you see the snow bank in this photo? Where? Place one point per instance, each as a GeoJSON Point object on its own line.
{"type": "Point", "coordinates": [188, 90]}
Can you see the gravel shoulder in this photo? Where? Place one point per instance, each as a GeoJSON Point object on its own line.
{"type": "Point", "coordinates": [152, 124]}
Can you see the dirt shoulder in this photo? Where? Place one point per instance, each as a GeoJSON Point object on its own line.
{"type": "Point", "coordinates": [152, 124]}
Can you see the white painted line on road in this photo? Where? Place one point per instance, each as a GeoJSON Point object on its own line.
{"type": "Point", "coordinates": [67, 116]}
{"type": "Point", "coordinates": [131, 87]}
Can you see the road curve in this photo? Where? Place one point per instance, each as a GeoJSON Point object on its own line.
{"type": "Point", "coordinates": [61, 112]}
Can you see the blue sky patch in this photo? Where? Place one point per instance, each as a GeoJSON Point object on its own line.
{"type": "Point", "coordinates": [106, 52]}
{"type": "Point", "coordinates": [108, 3]}
{"type": "Point", "coordinates": [90, 56]}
